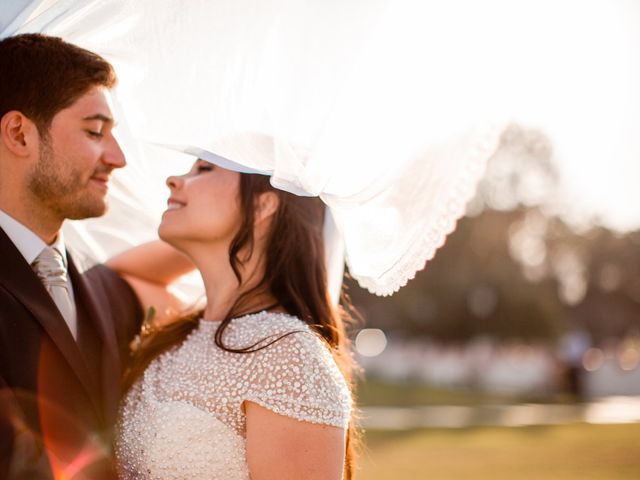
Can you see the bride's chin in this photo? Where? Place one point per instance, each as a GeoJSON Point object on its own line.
{"type": "Point", "coordinates": [165, 234]}
{"type": "Point", "coordinates": [172, 240]}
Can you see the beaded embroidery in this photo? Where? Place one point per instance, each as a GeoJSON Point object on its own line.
{"type": "Point", "coordinates": [183, 418]}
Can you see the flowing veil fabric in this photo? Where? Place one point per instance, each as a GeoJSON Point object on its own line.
{"type": "Point", "coordinates": [344, 100]}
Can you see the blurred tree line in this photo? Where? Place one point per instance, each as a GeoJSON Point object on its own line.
{"type": "Point", "coordinates": [514, 269]}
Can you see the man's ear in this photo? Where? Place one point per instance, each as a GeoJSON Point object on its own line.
{"type": "Point", "coordinates": [266, 205]}
{"type": "Point", "coordinates": [19, 134]}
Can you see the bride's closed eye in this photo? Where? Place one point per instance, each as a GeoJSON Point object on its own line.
{"type": "Point", "coordinates": [203, 167]}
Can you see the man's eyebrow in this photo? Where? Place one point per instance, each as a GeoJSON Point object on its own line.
{"type": "Point", "coordinates": [99, 116]}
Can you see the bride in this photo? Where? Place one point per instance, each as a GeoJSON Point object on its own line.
{"type": "Point", "coordinates": [257, 385]}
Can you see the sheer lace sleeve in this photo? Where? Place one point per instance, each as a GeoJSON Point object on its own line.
{"type": "Point", "coordinates": [298, 377]}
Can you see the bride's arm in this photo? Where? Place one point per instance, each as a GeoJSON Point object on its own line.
{"type": "Point", "coordinates": [156, 262]}
{"type": "Point", "coordinates": [283, 448]}
{"type": "Point", "coordinates": [150, 269]}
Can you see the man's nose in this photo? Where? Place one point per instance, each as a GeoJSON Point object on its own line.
{"type": "Point", "coordinates": [114, 156]}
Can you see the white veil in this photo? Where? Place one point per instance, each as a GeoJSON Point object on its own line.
{"type": "Point", "coordinates": [345, 100]}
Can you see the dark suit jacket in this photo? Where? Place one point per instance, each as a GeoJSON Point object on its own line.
{"type": "Point", "coordinates": [59, 397]}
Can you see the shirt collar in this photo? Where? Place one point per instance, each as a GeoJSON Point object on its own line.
{"type": "Point", "coordinates": [27, 242]}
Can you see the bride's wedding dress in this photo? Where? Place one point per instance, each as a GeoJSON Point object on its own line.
{"type": "Point", "coordinates": [184, 418]}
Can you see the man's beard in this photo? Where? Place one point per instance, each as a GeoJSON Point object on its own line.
{"type": "Point", "coordinates": [60, 188]}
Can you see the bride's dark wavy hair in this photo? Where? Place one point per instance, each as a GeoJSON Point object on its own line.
{"type": "Point", "coordinates": [294, 273]}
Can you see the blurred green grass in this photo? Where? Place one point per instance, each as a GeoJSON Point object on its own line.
{"type": "Point", "coordinates": [567, 452]}
{"type": "Point", "coordinates": [375, 392]}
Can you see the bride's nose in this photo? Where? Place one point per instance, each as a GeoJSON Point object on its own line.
{"type": "Point", "coordinates": [174, 181]}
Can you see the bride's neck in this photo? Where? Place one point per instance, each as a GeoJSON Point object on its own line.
{"type": "Point", "coordinates": [222, 286]}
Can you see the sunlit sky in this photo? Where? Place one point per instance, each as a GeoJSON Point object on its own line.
{"type": "Point", "coordinates": [601, 166]}
{"type": "Point", "coordinates": [570, 68]}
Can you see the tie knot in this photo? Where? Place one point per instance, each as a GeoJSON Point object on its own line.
{"type": "Point", "coordinates": [49, 266]}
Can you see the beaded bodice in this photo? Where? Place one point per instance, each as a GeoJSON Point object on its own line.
{"type": "Point", "coordinates": [184, 419]}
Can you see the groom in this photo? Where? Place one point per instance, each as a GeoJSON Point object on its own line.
{"type": "Point", "coordinates": [64, 333]}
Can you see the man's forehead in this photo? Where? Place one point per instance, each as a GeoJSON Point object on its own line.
{"type": "Point", "coordinates": [96, 104]}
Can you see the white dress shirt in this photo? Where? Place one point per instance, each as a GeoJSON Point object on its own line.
{"type": "Point", "coordinates": [30, 246]}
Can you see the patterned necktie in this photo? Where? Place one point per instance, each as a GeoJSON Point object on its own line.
{"type": "Point", "coordinates": [52, 272]}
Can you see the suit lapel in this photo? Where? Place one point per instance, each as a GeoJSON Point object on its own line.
{"type": "Point", "coordinates": [99, 313]}
{"type": "Point", "coordinates": [18, 278]}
